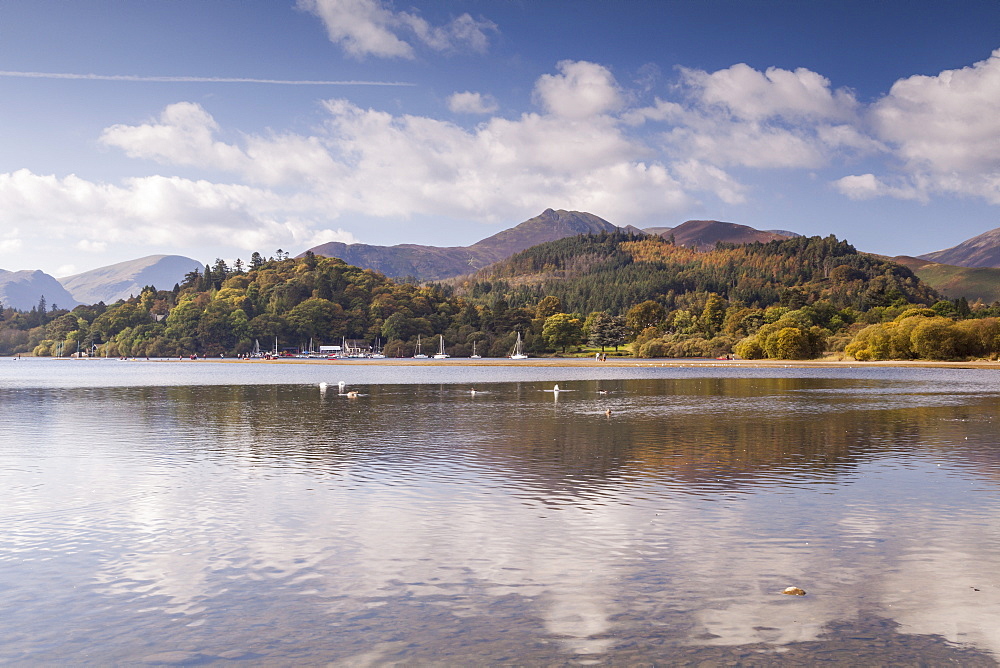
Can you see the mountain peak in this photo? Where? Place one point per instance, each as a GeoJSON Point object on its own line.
{"type": "Point", "coordinates": [982, 250]}
{"type": "Point", "coordinates": [119, 281]}
{"type": "Point", "coordinates": [704, 234]}
{"type": "Point", "coordinates": [23, 289]}
{"type": "Point", "coordinates": [435, 263]}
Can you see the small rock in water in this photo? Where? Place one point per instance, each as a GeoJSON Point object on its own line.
{"type": "Point", "coordinates": [793, 591]}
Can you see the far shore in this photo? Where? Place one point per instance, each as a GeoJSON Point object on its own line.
{"type": "Point", "coordinates": [583, 362]}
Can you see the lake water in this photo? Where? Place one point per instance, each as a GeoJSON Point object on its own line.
{"type": "Point", "coordinates": [190, 513]}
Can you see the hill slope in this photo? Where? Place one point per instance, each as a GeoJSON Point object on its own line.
{"type": "Point", "coordinates": [973, 283]}
{"type": "Point", "coordinates": [979, 251]}
{"type": "Point", "coordinates": [612, 272]}
{"type": "Point", "coordinates": [435, 263]}
{"type": "Point", "coordinates": [23, 289]}
{"type": "Point", "coordinates": [119, 281]}
{"type": "Point", "coordinates": [704, 234]}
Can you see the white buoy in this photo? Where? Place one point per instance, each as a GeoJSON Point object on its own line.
{"type": "Point", "coordinates": [472, 391]}
{"type": "Point", "coordinates": [323, 386]}
{"type": "Point", "coordinates": [555, 389]}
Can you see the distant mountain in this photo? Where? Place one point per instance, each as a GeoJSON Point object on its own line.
{"type": "Point", "coordinates": [704, 234]}
{"type": "Point", "coordinates": [23, 289]}
{"type": "Point", "coordinates": [979, 251]}
{"type": "Point", "coordinates": [658, 231]}
{"type": "Point", "coordinates": [125, 279]}
{"type": "Point", "coordinates": [973, 283]}
{"type": "Point", "coordinates": [435, 263]}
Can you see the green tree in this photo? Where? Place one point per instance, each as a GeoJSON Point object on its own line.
{"type": "Point", "coordinates": [399, 327]}
{"type": "Point", "coordinates": [937, 339]}
{"type": "Point", "coordinates": [647, 314]}
{"type": "Point", "coordinates": [562, 330]}
{"type": "Point", "coordinates": [606, 330]}
{"type": "Point", "coordinates": [713, 315]}
{"type": "Point", "coordinates": [548, 306]}
{"type": "Point", "coordinates": [317, 318]}
{"type": "Point", "coordinates": [788, 343]}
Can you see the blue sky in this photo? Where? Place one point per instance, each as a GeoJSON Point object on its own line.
{"type": "Point", "coordinates": [215, 128]}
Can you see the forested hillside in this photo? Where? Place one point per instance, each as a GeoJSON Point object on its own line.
{"type": "Point", "coordinates": [788, 299]}
{"type": "Point", "coordinates": [612, 272]}
{"type": "Point", "coordinates": [226, 310]}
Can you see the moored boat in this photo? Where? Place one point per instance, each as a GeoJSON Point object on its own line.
{"type": "Point", "coordinates": [518, 353]}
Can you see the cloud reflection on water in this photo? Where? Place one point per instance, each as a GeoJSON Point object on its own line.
{"type": "Point", "coordinates": [600, 528]}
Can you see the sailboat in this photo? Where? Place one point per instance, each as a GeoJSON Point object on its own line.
{"type": "Point", "coordinates": [441, 355]}
{"type": "Point", "coordinates": [518, 353]}
{"type": "Point", "coordinates": [419, 355]}
{"type": "Point", "coordinates": [377, 354]}
{"type": "Point", "coordinates": [474, 355]}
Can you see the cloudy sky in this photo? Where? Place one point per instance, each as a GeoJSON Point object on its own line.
{"type": "Point", "coordinates": [214, 128]}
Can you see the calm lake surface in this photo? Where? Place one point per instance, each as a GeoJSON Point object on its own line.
{"type": "Point", "coordinates": [189, 513]}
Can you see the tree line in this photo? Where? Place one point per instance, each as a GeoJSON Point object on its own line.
{"type": "Point", "coordinates": [789, 299]}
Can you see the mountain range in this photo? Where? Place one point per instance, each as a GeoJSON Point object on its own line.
{"type": "Point", "coordinates": [970, 269]}
{"type": "Point", "coordinates": [436, 263]}
{"type": "Point", "coordinates": [980, 251]}
{"type": "Point", "coordinates": [431, 263]}
{"type": "Point", "coordinates": [124, 279]}
{"type": "Point", "coordinates": [973, 283]}
{"type": "Point", "coordinates": [23, 290]}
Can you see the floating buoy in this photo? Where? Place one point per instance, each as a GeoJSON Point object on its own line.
{"type": "Point", "coordinates": [607, 411]}
{"type": "Point", "coordinates": [794, 591]}
{"type": "Point", "coordinates": [322, 387]}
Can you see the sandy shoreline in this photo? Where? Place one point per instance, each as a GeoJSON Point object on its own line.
{"type": "Point", "coordinates": [589, 362]}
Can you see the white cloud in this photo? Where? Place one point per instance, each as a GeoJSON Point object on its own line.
{"type": "Point", "coordinates": [158, 212]}
{"type": "Point", "coordinates": [183, 135]}
{"type": "Point", "coordinates": [585, 148]}
{"type": "Point", "coordinates": [580, 90]}
{"type": "Point", "coordinates": [948, 122]}
{"type": "Point", "coordinates": [11, 245]}
{"type": "Point", "coordinates": [741, 117]}
{"type": "Point", "coordinates": [501, 170]}
{"type": "Point", "coordinates": [472, 103]}
{"type": "Point", "coordinates": [369, 28]}
{"type": "Point", "coordinates": [945, 130]}
{"type": "Point", "coordinates": [91, 246]}
{"type": "Point", "coordinates": [753, 95]}
{"type": "Point", "coordinates": [372, 163]}
{"type": "Point", "coordinates": [744, 144]}
{"type": "Point", "coordinates": [697, 175]}
{"type": "Point", "coordinates": [869, 186]}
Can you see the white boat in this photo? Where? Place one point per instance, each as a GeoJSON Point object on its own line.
{"type": "Point", "coordinates": [419, 355]}
{"type": "Point", "coordinates": [441, 355]}
{"type": "Point", "coordinates": [518, 353]}
{"type": "Point", "coordinates": [474, 356]}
